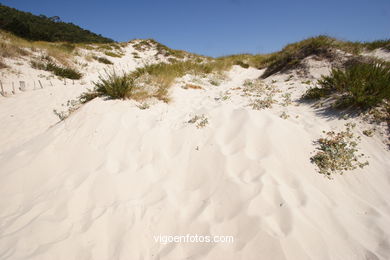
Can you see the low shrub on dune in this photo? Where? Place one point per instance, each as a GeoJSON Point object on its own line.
{"type": "Point", "coordinates": [112, 85]}
{"type": "Point", "coordinates": [64, 72]}
{"type": "Point", "coordinates": [362, 85]}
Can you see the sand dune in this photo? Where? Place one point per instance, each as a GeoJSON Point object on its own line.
{"type": "Point", "coordinates": [102, 183]}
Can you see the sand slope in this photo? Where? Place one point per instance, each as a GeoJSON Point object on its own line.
{"type": "Point", "coordinates": [102, 183]}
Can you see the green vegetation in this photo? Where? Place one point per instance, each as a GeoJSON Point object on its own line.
{"type": "Point", "coordinates": [150, 81]}
{"type": "Point", "coordinates": [63, 72]}
{"type": "Point", "coordinates": [114, 86]}
{"type": "Point", "coordinates": [290, 56]}
{"type": "Point", "coordinates": [201, 121]}
{"type": "Point", "coordinates": [247, 60]}
{"type": "Point", "coordinates": [12, 46]}
{"type": "Point", "coordinates": [338, 152]}
{"type": "Point", "coordinates": [242, 64]}
{"type": "Point", "coordinates": [114, 54]}
{"type": "Point", "coordinates": [72, 106]}
{"type": "Point", "coordinates": [42, 28]}
{"type": "Point", "coordinates": [362, 85]}
{"type": "Point", "coordinates": [162, 75]}
{"type": "Point", "coordinates": [102, 60]}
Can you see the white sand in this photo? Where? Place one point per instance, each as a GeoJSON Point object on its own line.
{"type": "Point", "coordinates": [102, 183]}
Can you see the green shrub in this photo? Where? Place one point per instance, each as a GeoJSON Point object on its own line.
{"type": "Point", "coordinates": [114, 86]}
{"type": "Point", "coordinates": [362, 85]}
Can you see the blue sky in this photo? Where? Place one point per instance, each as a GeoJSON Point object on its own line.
{"type": "Point", "coordinates": [221, 27]}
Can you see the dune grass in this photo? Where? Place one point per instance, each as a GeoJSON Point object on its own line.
{"type": "Point", "coordinates": [12, 46]}
{"type": "Point", "coordinates": [64, 72]}
{"type": "Point", "coordinates": [150, 81]}
{"type": "Point", "coordinates": [147, 44]}
{"type": "Point", "coordinates": [112, 85]}
{"type": "Point", "coordinates": [362, 85]}
{"type": "Point", "coordinates": [291, 55]}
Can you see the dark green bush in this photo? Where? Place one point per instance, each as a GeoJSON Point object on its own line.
{"type": "Point", "coordinates": [362, 85]}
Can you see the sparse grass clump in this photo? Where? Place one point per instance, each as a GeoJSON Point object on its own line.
{"type": "Point", "coordinates": [362, 85]}
{"type": "Point", "coordinates": [284, 115]}
{"type": "Point", "coordinates": [201, 121]}
{"type": "Point", "coordinates": [259, 104]}
{"type": "Point", "coordinates": [286, 99]}
{"type": "Point", "coordinates": [337, 152]}
{"type": "Point", "coordinates": [369, 132]}
{"type": "Point", "coordinates": [72, 106]}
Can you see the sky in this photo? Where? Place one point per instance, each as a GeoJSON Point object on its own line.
{"type": "Point", "coordinates": [221, 27]}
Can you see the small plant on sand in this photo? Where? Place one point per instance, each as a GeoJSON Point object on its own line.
{"type": "Point", "coordinates": [289, 78]}
{"type": "Point", "coordinates": [72, 106]}
{"type": "Point", "coordinates": [369, 132]}
{"type": "Point", "coordinates": [223, 96]}
{"type": "Point", "coordinates": [286, 99]}
{"type": "Point", "coordinates": [143, 106]}
{"type": "Point", "coordinates": [191, 86]}
{"type": "Point", "coordinates": [201, 121]}
{"type": "Point", "coordinates": [337, 152]}
{"type": "Point", "coordinates": [259, 104]}
{"type": "Point", "coordinates": [284, 115]}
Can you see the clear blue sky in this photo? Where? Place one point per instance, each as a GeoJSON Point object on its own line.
{"type": "Point", "coordinates": [221, 27]}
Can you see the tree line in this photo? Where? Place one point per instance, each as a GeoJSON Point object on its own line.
{"type": "Point", "coordinates": [42, 28]}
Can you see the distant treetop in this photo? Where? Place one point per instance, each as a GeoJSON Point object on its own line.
{"type": "Point", "coordinates": [42, 28]}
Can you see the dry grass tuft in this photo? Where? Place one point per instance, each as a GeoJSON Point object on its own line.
{"type": "Point", "coordinates": [191, 86]}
